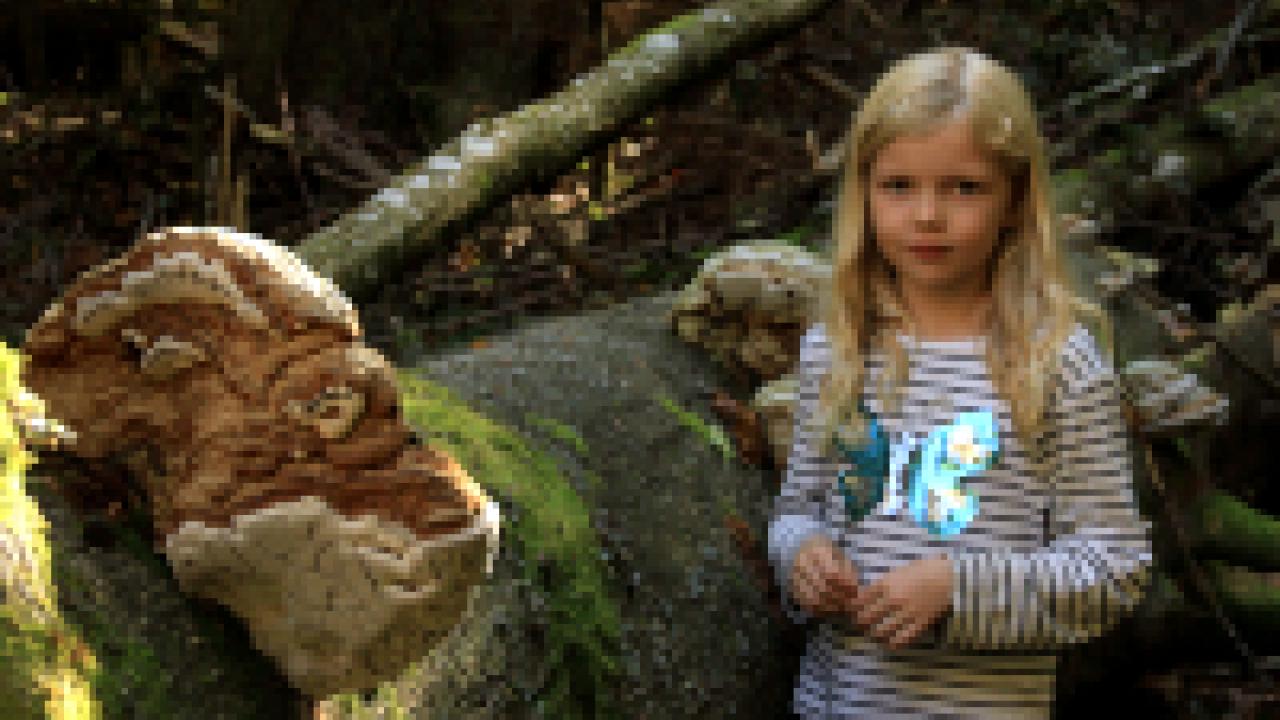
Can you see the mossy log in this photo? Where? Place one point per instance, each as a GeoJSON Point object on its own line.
{"type": "Point", "coordinates": [1229, 530]}
{"type": "Point", "coordinates": [1235, 546]}
{"type": "Point", "coordinates": [369, 244]}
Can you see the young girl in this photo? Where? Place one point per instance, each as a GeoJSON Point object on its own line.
{"type": "Point", "coordinates": [958, 504]}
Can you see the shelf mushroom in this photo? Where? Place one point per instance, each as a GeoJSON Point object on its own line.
{"type": "Point", "coordinates": [750, 304]}
{"type": "Point", "coordinates": [283, 480]}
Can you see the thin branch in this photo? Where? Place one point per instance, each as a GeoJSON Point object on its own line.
{"type": "Point", "coordinates": [831, 82]}
{"type": "Point", "coordinates": [1233, 35]}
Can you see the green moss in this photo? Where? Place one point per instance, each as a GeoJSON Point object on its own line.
{"type": "Point", "coordinates": [675, 26]}
{"type": "Point", "coordinates": [713, 434]}
{"type": "Point", "coordinates": [129, 677]}
{"type": "Point", "coordinates": [43, 661]}
{"type": "Point", "coordinates": [133, 673]}
{"type": "Point", "coordinates": [23, 650]}
{"type": "Point", "coordinates": [1235, 531]}
{"type": "Point", "coordinates": [559, 431]}
{"type": "Point", "coordinates": [552, 532]}
{"type": "Point", "coordinates": [384, 705]}
{"type": "Point", "coordinates": [803, 236]}
{"type": "Point", "coordinates": [1246, 104]}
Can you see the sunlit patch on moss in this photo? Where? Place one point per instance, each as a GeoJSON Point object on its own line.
{"type": "Point", "coordinates": [47, 670]}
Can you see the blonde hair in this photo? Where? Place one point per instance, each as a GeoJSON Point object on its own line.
{"type": "Point", "coordinates": [1033, 309]}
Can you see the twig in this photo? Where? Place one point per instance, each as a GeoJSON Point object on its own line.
{"type": "Point", "coordinates": [342, 178]}
{"type": "Point", "coordinates": [1169, 229]}
{"type": "Point", "coordinates": [180, 32]}
{"type": "Point", "coordinates": [1271, 175]}
{"type": "Point", "coordinates": [641, 194]}
{"type": "Point", "coordinates": [830, 160]}
{"type": "Point", "coordinates": [343, 144]}
{"type": "Point", "coordinates": [260, 130]}
{"type": "Point", "coordinates": [223, 202]}
{"type": "Point", "coordinates": [147, 219]}
{"type": "Point", "coordinates": [295, 158]}
{"type": "Point", "coordinates": [831, 82]}
{"type": "Point", "coordinates": [757, 563]}
{"type": "Point", "coordinates": [1233, 34]}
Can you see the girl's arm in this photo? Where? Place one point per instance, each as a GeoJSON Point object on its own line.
{"type": "Point", "coordinates": [1096, 568]}
{"type": "Point", "coordinates": [799, 510]}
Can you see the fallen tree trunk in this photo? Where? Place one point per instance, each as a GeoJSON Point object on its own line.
{"type": "Point", "coordinates": [486, 162]}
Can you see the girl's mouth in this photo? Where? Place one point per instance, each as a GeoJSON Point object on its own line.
{"type": "Point", "coordinates": [929, 252]}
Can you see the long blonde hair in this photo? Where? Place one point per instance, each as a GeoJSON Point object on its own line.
{"type": "Point", "coordinates": [1033, 309]}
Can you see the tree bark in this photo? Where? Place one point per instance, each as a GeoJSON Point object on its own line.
{"type": "Point", "coordinates": [371, 243]}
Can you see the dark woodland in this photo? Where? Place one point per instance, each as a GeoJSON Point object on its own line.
{"type": "Point", "coordinates": [288, 118]}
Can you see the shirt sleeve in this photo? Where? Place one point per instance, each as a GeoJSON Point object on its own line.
{"type": "Point", "coordinates": [1096, 568]}
{"type": "Point", "coordinates": [800, 508]}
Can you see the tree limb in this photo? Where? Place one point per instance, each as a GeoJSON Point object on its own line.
{"type": "Point", "coordinates": [492, 157]}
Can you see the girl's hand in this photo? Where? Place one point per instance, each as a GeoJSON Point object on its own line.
{"type": "Point", "coordinates": [904, 601]}
{"type": "Point", "coordinates": [822, 578]}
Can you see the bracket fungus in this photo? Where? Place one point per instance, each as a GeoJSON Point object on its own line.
{"type": "Point", "coordinates": [289, 488]}
{"type": "Point", "coordinates": [749, 305]}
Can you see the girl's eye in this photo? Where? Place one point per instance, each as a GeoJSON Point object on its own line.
{"type": "Point", "coordinates": [895, 184]}
{"type": "Point", "coordinates": [969, 187]}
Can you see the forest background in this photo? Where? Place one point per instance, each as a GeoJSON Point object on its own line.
{"type": "Point", "coordinates": [276, 117]}
{"type": "Point", "coordinates": [280, 117]}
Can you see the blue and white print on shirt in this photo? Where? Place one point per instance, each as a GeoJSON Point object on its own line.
{"type": "Point", "coordinates": [932, 468]}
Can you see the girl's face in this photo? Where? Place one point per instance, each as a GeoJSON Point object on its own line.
{"type": "Point", "coordinates": [937, 202]}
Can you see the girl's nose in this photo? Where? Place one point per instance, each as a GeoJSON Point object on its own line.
{"type": "Point", "coordinates": [927, 210]}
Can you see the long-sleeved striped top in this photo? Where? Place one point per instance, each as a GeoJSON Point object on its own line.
{"type": "Point", "coordinates": [1019, 594]}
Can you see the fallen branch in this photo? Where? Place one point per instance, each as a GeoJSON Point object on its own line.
{"type": "Point", "coordinates": [493, 157]}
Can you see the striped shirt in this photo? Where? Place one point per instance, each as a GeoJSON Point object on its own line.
{"type": "Point", "coordinates": [1019, 594]}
